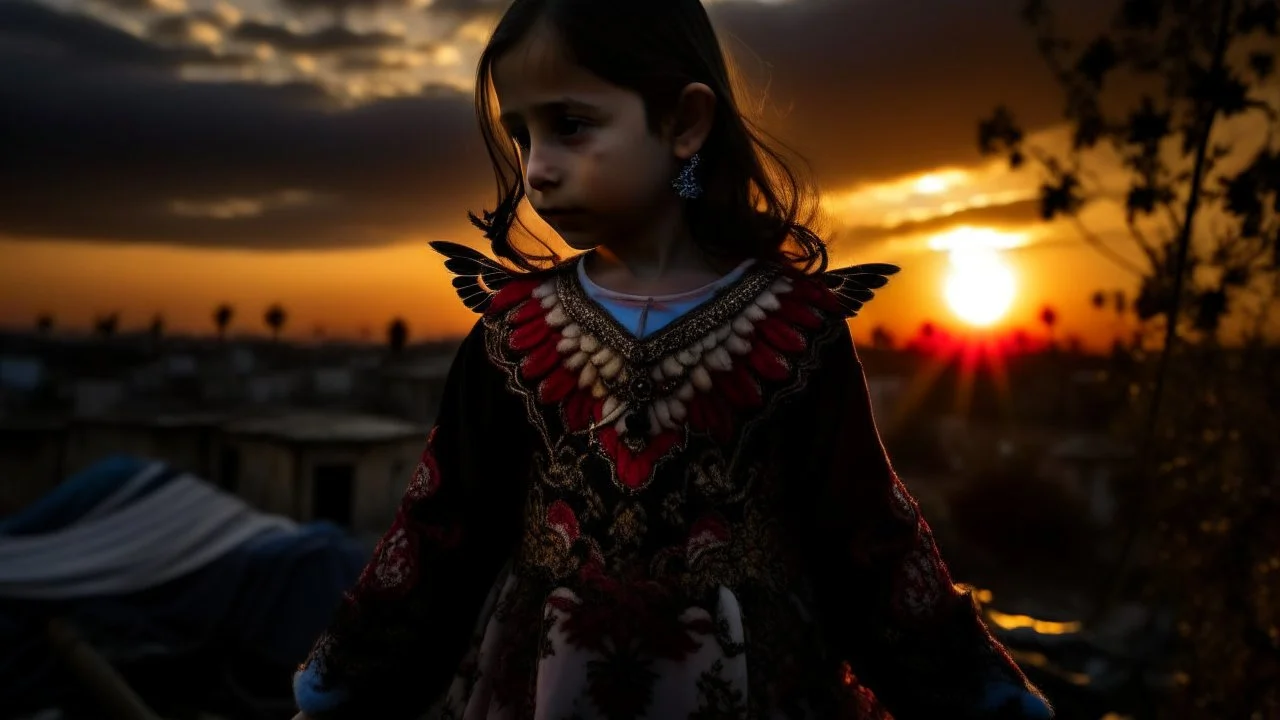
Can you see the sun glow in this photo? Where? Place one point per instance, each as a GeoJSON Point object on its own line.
{"type": "Point", "coordinates": [931, 184]}
{"type": "Point", "coordinates": [980, 286]}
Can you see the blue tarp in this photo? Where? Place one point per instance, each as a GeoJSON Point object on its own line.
{"type": "Point", "coordinates": [267, 599]}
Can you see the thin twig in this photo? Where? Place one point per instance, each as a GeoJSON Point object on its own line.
{"type": "Point", "coordinates": [1139, 237]}
{"type": "Point", "coordinates": [1146, 476]}
{"type": "Point", "coordinates": [1101, 247]}
{"type": "Point", "coordinates": [1174, 220]}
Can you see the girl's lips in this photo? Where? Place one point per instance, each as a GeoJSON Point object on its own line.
{"type": "Point", "coordinates": [558, 218]}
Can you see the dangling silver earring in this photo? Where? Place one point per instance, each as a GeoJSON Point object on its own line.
{"type": "Point", "coordinates": [686, 183]}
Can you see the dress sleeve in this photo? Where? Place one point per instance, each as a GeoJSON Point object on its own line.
{"type": "Point", "coordinates": [883, 593]}
{"type": "Point", "coordinates": [399, 634]}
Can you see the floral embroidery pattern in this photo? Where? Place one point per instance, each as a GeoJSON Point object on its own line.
{"type": "Point", "coordinates": [718, 698]}
{"type": "Point", "coordinates": [708, 533]}
{"type": "Point", "coordinates": [426, 476]}
{"type": "Point", "coordinates": [397, 565]}
{"type": "Point", "coordinates": [657, 627]}
{"type": "Point", "coordinates": [922, 585]}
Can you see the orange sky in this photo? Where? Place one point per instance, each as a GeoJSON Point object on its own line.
{"type": "Point", "coordinates": [350, 291]}
{"type": "Point", "coordinates": [346, 291]}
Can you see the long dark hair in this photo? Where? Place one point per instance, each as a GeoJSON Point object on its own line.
{"type": "Point", "coordinates": [754, 205]}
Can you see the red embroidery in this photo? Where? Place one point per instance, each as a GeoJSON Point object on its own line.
{"type": "Point", "coordinates": [426, 477]}
{"type": "Point", "coordinates": [769, 363]}
{"type": "Point", "coordinates": [541, 358]}
{"type": "Point", "coordinates": [635, 468]}
{"type": "Point", "coordinates": [780, 335]}
{"type": "Point", "coordinates": [557, 386]}
{"type": "Point", "coordinates": [443, 537]}
{"type": "Point", "coordinates": [707, 534]}
{"type": "Point", "coordinates": [922, 585]}
{"type": "Point", "coordinates": [512, 294]}
{"type": "Point", "coordinates": [560, 518]}
{"type": "Point", "coordinates": [395, 560]}
{"type": "Point", "coordinates": [654, 629]}
{"type": "Point", "coordinates": [740, 387]}
{"type": "Point", "coordinates": [703, 386]}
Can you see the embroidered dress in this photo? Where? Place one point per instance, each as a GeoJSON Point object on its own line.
{"type": "Point", "coordinates": [698, 522]}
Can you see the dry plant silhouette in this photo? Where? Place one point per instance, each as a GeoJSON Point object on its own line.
{"type": "Point", "coordinates": [1184, 94]}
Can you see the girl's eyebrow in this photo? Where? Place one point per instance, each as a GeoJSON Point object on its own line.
{"type": "Point", "coordinates": [553, 107]}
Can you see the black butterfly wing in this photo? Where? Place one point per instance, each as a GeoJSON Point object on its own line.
{"type": "Point", "coordinates": [477, 277]}
{"type": "Point", "coordinates": [856, 285]}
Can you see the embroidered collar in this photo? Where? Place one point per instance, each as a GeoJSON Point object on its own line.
{"type": "Point", "coordinates": [726, 303]}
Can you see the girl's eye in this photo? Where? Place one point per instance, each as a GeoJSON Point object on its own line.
{"type": "Point", "coordinates": [570, 126]}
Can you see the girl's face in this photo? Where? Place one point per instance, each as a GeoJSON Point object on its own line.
{"type": "Point", "coordinates": [592, 168]}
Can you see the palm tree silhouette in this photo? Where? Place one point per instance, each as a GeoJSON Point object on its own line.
{"type": "Point", "coordinates": [1099, 300]}
{"type": "Point", "coordinates": [397, 335]}
{"type": "Point", "coordinates": [1049, 318]}
{"type": "Point", "coordinates": [275, 318]}
{"type": "Point", "coordinates": [157, 327]}
{"type": "Point", "coordinates": [44, 323]}
{"type": "Point", "coordinates": [881, 338]}
{"type": "Point", "coordinates": [222, 319]}
{"type": "Point", "coordinates": [106, 325]}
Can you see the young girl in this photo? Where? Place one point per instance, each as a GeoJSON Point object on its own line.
{"type": "Point", "coordinates": [655, 489]}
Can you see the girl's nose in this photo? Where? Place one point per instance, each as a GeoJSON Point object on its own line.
{"type": "Point", "coordinates": [540, 174]}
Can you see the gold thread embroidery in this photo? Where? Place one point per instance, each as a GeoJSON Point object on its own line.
{"type": "Point", "coordinates": [561, 291]}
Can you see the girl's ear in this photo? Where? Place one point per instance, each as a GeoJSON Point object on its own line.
{"type": "Point", "coordinates": [691, 123]}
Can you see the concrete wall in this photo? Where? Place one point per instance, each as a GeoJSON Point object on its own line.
{"type": "Point", "coordinates": [267, 476]}
{"type": "Point", "coordinates": [279, 477]}
{"type": "Point", "coordinates": [382, 473]}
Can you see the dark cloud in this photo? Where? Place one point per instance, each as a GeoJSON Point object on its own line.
{"type": "Point", "coordinates": [468, 8]}
{"type": "Point", "coordinates": [33, 33]}
{"type": "Point", "coordinates": [223, 16]}
{"type": "Point", "coordinates": [366, 62]}
{"type": "Point", "coordinates": [874, 88]}
{"type": "Point", "coordinates": [100, 137]}
{"type": "Point", "coordinates": [138, 5]}
{"type": "Point", "coordinates": [339, 7]}
{"type": "Point", "coordinates": [181, 29]}
{"type": "Point", "coordinates": [1015, 214]}
{"type": "Point", "coordinates": [104, 149]}
{"type": "Point", "coordinates": [331, 39]}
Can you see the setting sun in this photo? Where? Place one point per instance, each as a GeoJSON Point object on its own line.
{"type": "Point", "coordinates": [980, 286]}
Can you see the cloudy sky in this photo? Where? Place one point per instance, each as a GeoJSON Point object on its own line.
{"type": "Point", "coordinates": [170, 155]}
